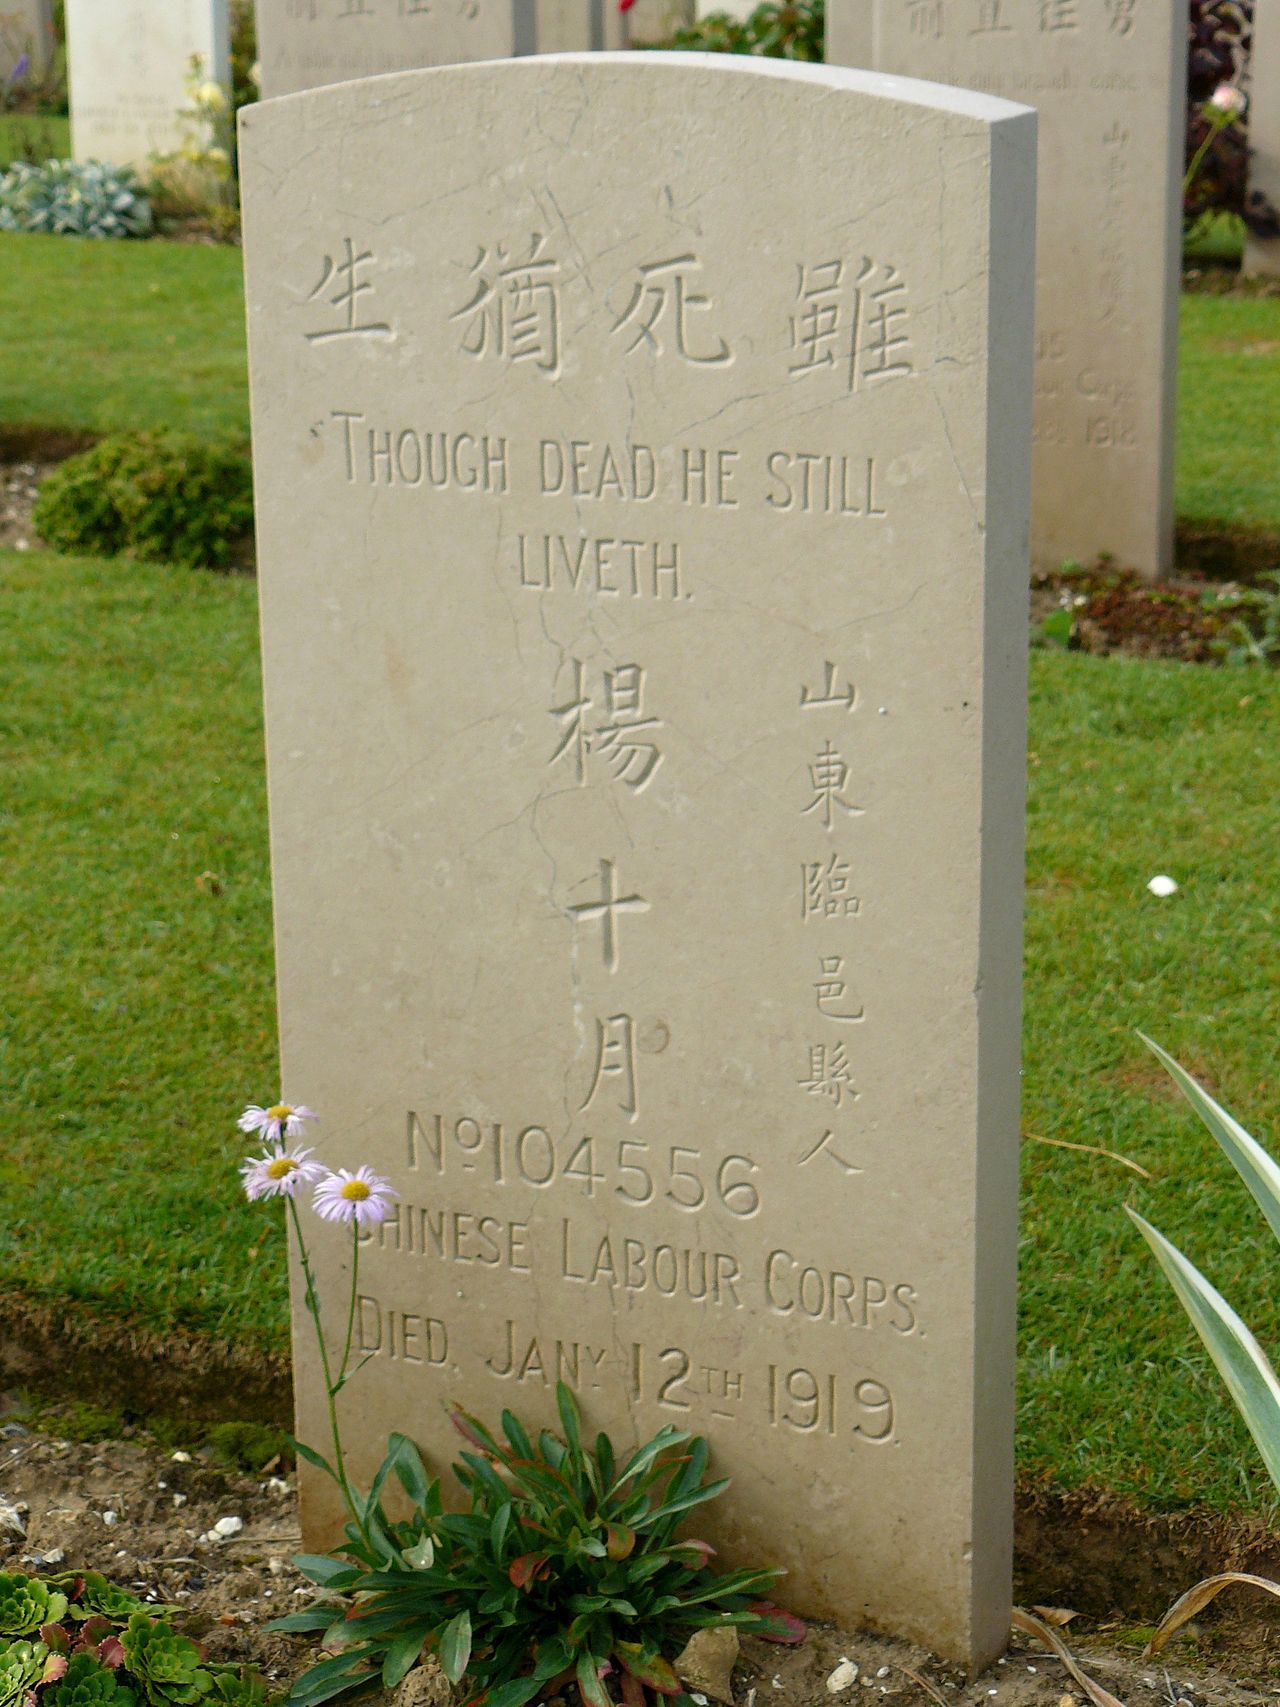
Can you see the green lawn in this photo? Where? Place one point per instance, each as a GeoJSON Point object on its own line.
{"type": "Point", "coordinates": [118, 335]}
{"type": "Point", "coordinates": [122, 335]}
{"type": "Point", "coordinates": [137, 999]}
{"type": "Point", "coordinates": [33, 136]}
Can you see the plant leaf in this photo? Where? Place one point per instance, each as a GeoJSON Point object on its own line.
{"type": "Point", "coordinates": [1255, 1167]}
{"type": "Point", "coordinates": [784, 1629]}
{"type": "Point", "coordinates": [400, 1658]}
{"type": "Point", "coordinates": [1195, 1599]}
{"type": "Point", "coordinates": [1030, 1626]}
{"type": "Point", "coordinates": [1241, 1361]}
{"type": "Point", "coordinates": [455, 1647]}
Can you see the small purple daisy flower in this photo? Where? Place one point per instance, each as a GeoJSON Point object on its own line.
{"type": "Point", "coordinates": [276, 1123]}
{"type": "Point", "coordinates": [280, 1173]}
{"type": "Point", "coordinates": [362, 1197]}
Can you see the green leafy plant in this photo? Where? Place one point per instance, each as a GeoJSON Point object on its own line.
{"type": "Point", "coordinates": [1255, 638]}
{"type": "Point", "coordinates": [780, 29]}
{"type": "Point", "coordinates": [1240, 1360]}
{"type": "Point", "coordinates": [76, 198]}
{"type": "Point", "coordinates": [566, 1567]}
{"type": "Point", "coordinates": [78, 1640]}
{"type": "Point", "coordinates": [162, 496]}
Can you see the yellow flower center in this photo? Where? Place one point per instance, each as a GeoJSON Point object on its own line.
{"type": "Point", "coordinates": [281, 1111]}
{"type": "Point", "coordinates": [355, 1190]}
{"type": "Point", "coordinates": [280, 1166]}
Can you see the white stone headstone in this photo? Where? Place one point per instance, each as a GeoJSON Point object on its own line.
{"type": "Point", "coordinates": [306, 44]}
{"type": "Point", "coordinates": [26, 30]}
{"type": "Point", "coordinates": [128, 65]}
{"type": "Point", "coordinates": [1108, 78]}
{"type": "Point", "coordinates": [1262, 254]}
{"type": "Point", "coordinates": [642, 540]}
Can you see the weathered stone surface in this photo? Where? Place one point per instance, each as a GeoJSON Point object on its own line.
{"type": "Point", "coordinates": [306, 44]}
{"type": "Point", "coordinates": [1262, 254]}
{"type": "Point", "coordinates": [849, 33]}
{"type": "Point", "coordinates": [26, 28]}
{"type": "Point", "coordinates": [707, 1660]}
{"type": "Point", "coordinates": [642, 525]}
{"type": "Point", "coordinates": [1108, 80]}
{"type": "Point", "coordinates": [128, 63]}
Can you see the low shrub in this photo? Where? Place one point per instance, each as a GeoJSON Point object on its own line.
{"type": "Point", "coordinates": [166, 497]}
{"type": "Point", "coordinates": [74, 198]}
{"type": "Point", "coordinates": [780, 29]}
{"type": "Point", "coordinates": [77, 1640]}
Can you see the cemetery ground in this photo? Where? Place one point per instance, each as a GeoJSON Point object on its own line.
{"type": "Point", "coordinates": [135, 951]}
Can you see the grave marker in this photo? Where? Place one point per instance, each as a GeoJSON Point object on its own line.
{"type": "Point", "coordinates": [128, 62]}
{"type": "Point", "coordinates": [1262, 254]}
{"type": "Point", "coordinates": [1108, 78]}
{"type": "Point", "coordinates": [642, 540]}
{"type": "Point", "coordinates": [306, 44]}
{"type": "Point", "coordinates": [26, 28]}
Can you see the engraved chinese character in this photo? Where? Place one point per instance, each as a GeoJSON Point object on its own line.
{"type": "Point", "coordinates": [991, 20]}
{"type": "Point", "coordinates": [927, 17]}
{"type": "Point", "coordinates": [605, 909]}
{"type": "Point", "coordinates": [824, 890]}
{"type": "Point", "coordinates": [616, 1059]}
{"type": "Point", "coordinates": [345, 273]}
{"type": "Point", "coordinates": [662, 296]}
{"type": "Point", "coordinates": [1120, 16]}
{"type": "Point", "coordinates": [355, 9]}
{"type": "Point", "coordinates": [832, 991]}
{"type": "Point", "coordinates": [829, 775]}
{"type": "Point", "coordinates": [1058, 15]}
{"type": "Point", "coordinates": [826, 1144]}
{"type": "Point", "coordinates": [851, 321]}
{"type": "Point", "coordinates": [616, 737]}
{"type": "Point", "coordinates": [829, 694]}
{"type": "Point", "coordinates": [829, 1074]}
{"type": "Point", "coordinates": [514, 311]}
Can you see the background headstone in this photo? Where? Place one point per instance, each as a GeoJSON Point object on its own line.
{"type": "Point", "coordinates": [1262, 254]}
{"type": "Point", "coordinates": [735, 8]}
{"type": "Point", "coordinates": [26, 27]}
{"type": "Point", "coordinates": [306, 44]}
{"type": "Point", "coordinates": [642, 540]}
{"type": "Point", "coordinates": [128, 62]}
{"type": "Point", "coordinates": [1108, 78]}
{"type": "Point", "coordinates": [849, 32]}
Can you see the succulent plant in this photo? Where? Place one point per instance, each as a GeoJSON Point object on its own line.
{"type": "Point", "coordinates": [168, 1668]}
{"type": "Point", "coordinates": [81, 198]}
{"type": "Point", "coordinates": [26, 1603]}
{"type": "Point", "coordinates": [22, 1667]}
{"type": "Point", "coordinates": [92, 1592]}
{"type": "Point", "coordinates": [88, 1683]}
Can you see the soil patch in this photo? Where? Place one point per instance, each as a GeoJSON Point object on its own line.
{"type": "Point", "coordinates": [1104, 609]}
{"type": "Point", "coordinates": [140, 1514]}
{"type": "Point", "coordinates": [1224, 278]}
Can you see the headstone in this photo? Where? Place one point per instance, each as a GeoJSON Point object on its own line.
{"type": "Point", "coordinates": [1108, 78]}
{"type": "Point", "coordinates": [740, 9]}
{"type": "Point", "coordinates": [129, 62]}
{"type": "Point", "coordinates": [304, 44]}
{"type": "Point", "coordinates": [848, 31]}
{"type": "Point", "coordinates": [26, 31]}
{"type": "Point", "coordinates": [642, 539]}
{"type": "Point", "coordinates": [1262, 254]}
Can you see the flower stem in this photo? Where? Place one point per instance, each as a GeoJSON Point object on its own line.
{"type": "Point", "coordinates": [351, 1306]}
{"type": "Point", "coordinates": [331, 1387]}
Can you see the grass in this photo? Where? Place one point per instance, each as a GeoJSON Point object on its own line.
{"type": "Point", "coordinates": [119, 335]}
{"type": "Point", "coordinates": [138, 1000]}
{"type": "Point", "coordinates": [33, 136]}
{"type": "Point", "coordinates": [1229, 412]}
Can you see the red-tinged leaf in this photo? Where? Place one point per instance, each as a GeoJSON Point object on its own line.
{"type": "Point", "coordinates": [619, 1541]}
{"type": "Point", "coordinates": [632, 1690]}
{"type": "Point", "coordinates": [786, 1628]}
{"type": "Point", "coordinates": [111, 1652]}
{"type": "Point", "coordinates": [649, 1668]}
{"type": "Point", "coordinates": [55, 1638]}
{"type": "Point", "coordinates": [694, 1555]}
{"type": "Point", "coordinates": [528, 1569]}
{"type": "Point", "coordinates": [54, 1668]}
{"type": "Point", "coordinates": [93, 1630]}
{"type": "Point", "coordinates": [470, 1432]}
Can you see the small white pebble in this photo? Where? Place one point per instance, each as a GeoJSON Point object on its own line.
{"type": "Point", "coordinates": [182, 1458]}
{"type": "Point", "coordinates": [845, 1674]}
{"type": "Point", "coordinates": [883, 1672]}
{"type": "Point", "coordinates": [111, 1518]}
{"type": "Point", "coordinates": [700, 1699]}
{"type": "Point", "coordinates": [275, 1566]}
{"type": "Point", "coordinates": [777, 1682]}
{"type": "Point", "coordinates": [1162, 886]}
{"type": "Point", "coordinates": [1032, 1670]}
{"type": "Point", "coordinates": [162, 1484]}
{"type": "Point", "coordinates": [179, 1500]}
{"type": "Point", "coordinates": [228, 1526]}
{"type": "Point", "coordinates": [22, 545]}
{"type": "Point", "coordinates": [277, 1485]}
{"type": "Point", "coordinates": [122, 1552]}
{"type": "Point", "coordinates": [54, 1556]}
